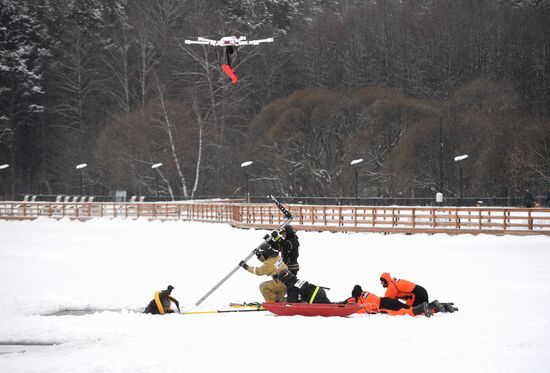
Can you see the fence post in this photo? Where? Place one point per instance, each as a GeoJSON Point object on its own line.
{"type": "Point", "coordinates": [480, 219]}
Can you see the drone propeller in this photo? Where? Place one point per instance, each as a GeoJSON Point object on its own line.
{"type": "Point", "coordinates": [256, 42]}
{"type": "Point", "coordinates": [201, 40]}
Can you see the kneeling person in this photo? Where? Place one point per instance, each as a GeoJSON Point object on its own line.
{"type": "Point", "coordinates": [302, 291]}
{"type": "Point", "coordinates": [272, 264]}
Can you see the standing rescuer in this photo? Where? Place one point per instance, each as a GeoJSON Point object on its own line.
{"type": "Point", "coordinates": [288, 246]}
{"type": "Point", "coordinates": [272, 263]}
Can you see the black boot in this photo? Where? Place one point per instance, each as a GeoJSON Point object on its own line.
{"type": "Point", "coordinates": [418, 310]}
{"type": "Point", "coordinates": [437, 306]}
{"type": "Point", "coordinates": [427, 309]}
{"type": "Point", "coordinates": [449, 307]}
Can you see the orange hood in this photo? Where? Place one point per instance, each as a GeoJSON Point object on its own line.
{"type": "Point", "coordinates": [386, 276]}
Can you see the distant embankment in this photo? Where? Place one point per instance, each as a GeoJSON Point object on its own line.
{"type": "Point", "coordinates": [453, 220]}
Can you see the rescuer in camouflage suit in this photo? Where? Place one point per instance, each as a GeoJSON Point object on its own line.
{"type": "Point", "coordinates": [272, 263]}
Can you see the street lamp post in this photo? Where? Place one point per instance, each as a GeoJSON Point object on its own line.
{"type": "Point", "coordinates": [458, 159]}
{"type": "Point", "coordinates": [80, 167]}
{"type": "Point", "coordinates": [155, 166]}
{"type": "Point", "coordinates": [354, 163]}
{"type": "Point", "coordinates": [441, 155]}
{"type": "Point", "coordinates": [2, 167]}
{"type": "Point", "coordinates": [243, 166]}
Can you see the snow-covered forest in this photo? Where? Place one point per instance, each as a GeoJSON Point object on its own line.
{"type": "Point", "coordinates": [112, 84]}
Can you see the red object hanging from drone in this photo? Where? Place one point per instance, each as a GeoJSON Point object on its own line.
{"type": "Point", "coordinates": [231, 45]}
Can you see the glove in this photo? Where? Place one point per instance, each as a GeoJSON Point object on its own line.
{"type": "Point", "coordinates": [276, 236]}
{"type": "Point", "coordinates": [243, 264]}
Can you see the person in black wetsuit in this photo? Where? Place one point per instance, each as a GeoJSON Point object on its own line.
{"type": "Point", "coordinates": [299, 291]}
{"type": "Point", "coordinates": [161, 303]}
{"type": "Point", "coordinates": [287, 244]}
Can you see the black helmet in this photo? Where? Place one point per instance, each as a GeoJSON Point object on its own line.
{"type": "Point", "coordinates": [289, 230]}
{"type": "Point", "coordinates": [286, 277]}
{"type": "Point", "coordinates": [265, 251]}
{"type": "Point", "coordinates": [356, 292]}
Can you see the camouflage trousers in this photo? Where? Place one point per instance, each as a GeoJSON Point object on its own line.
{"type": "Point", "coordinates": [273, 291]}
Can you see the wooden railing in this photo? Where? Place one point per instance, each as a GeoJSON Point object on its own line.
{"type": "Point", "coordinates": [306, 217]}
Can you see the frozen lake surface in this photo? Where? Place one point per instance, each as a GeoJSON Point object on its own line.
{"type": "Point", "coordinates": [98, 275]}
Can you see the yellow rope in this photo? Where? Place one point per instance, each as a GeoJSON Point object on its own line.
{"type": "Point", "coordinates": [158, 303]}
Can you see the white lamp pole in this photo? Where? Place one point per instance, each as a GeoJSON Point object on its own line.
{"type": "Point", "coordinates": [80, 167]}
{"type": "Point", "coordinates": [458, 159]}
{"type": "Point", "coordinates": [354, 163]}
{"type": "Point", "coordinates": [155, 166]}
{"type": "Point", "coordinates": [243, 166]}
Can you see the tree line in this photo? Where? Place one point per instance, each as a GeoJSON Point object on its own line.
{"type": "Point", "coordinates": [404, 85]}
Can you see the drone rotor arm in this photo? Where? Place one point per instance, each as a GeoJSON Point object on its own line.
{"type": "Point", "coordinates": [196, 42]}
{"type": "Point", "coordinates": [203, 41]}
{"type": "Point", "coordinates": [256, 42]}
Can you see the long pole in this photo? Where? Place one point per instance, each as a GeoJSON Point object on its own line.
{"type": "Point", "coordinates": [81, 184]}
{"type": "Point", "coordinates": [460, 199]}
{"type": "Point", "coordinates": [236, 268]}
{"type": "Point", "coordinates": [247, 188]}
{"type": "Point", "coordinates": [441, 155]}
{"type": "Point", "coordinates": [356, 187]}
{"type": "Point", "coordinates": [224, 279]}
{"type": "Point", "coordinates": [288, 217]}
{"type": "Point", "coordinates": [157, 184]}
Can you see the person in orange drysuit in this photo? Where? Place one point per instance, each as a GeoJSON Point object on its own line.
{"type": "Point", "coordinates": [414, 295]}
{"type": "Point", "coordinates": [375, 304]}
{"type": "Point", "coordinates": [411, 293]}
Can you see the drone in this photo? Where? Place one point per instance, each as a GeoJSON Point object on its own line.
{"type": "Point", "coordinates": [230, 45]}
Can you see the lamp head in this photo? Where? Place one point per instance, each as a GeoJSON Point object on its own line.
{"type": "Point", "coordinates": [461, 157]}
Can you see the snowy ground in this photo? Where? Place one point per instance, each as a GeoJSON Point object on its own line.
{"type": "Point", "coordinates": [500, 284]}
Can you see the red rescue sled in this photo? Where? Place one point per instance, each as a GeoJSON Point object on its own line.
{"type": "Point", "coordinates": [305, 309]}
